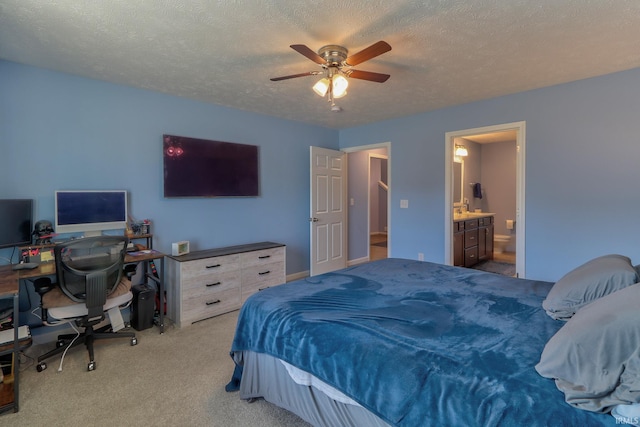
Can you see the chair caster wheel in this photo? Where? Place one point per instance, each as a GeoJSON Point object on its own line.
{"type": "Point", "coordinates": [91, 366]}
{"type": "Point", "coordinates": [41, 366]}
{"type": "Point", "coordinates": [134, 341]}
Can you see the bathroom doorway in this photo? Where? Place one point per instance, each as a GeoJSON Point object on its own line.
{"type": "Point", "coordinates": [493, 183]}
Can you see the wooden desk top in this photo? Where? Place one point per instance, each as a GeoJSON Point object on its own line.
{"type": "Point", "coordinates": [8, 281]}
{"type": "Point", "coordinates": [9, 278]}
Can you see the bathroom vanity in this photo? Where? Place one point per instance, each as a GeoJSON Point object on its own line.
{"type": "Point", "coordinates": [472, 238]}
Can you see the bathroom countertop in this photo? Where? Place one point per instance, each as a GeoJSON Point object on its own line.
{"type": "Point", "coordinates": [471, 215]}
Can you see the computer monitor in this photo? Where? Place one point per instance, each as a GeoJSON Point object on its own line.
{"type": "Point", "coordinates": [16, 222]}
{"type": "Point", "coordinates": [90, 212]}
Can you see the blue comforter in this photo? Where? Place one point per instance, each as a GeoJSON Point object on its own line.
{"type": "Point", "coordinates": [418, 343]}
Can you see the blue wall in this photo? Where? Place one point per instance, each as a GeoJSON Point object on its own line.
{"type": "Point", "coordinates": [582, 171]}
{"type": "Point", "coordinates": [582, 163]}
{"type": "Point", "coordinates": [59, 131]}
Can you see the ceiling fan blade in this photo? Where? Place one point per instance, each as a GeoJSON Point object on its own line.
{"type": "Point", "coordinates": [293, 76]}
{"type": "Point", "coordinates": [370, 52]}
{"type": "Point", "coordinates": [306, 51]}
{"type": "Point", "coordinates": [368, 75]}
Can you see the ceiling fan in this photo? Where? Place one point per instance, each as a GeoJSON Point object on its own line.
{"type": "Point", "coordinates": [337, 67]}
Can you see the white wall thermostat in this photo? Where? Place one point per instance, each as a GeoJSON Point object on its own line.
{"type": "Point", "coordinates": [180, 248]}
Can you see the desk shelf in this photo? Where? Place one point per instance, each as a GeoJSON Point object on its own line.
{"type": "Point", "coordinates": [9, 398]}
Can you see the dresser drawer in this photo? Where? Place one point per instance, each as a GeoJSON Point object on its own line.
{"type": "Point", "coordinates": [260, 277]}
{"type": "Point", "coordinates": [262, 257]}
{"type": "Point", "coordinates": [209, 266]}
{"type": "Point", "coordinates": [209, 305]}
{"type": "Point", "coordinates": [205, 284]}
{"type": "Point", "coordinates": [211, 280]}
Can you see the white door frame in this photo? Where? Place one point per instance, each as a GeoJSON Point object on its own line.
{"type": "Point", "coordinates": [520, 128]}
{"type": "Point", "coordinates": [386, 145]}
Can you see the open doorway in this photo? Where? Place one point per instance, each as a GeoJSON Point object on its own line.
{"type": "Point", "coordinates": [493, 184]}
{"type": "Point", "coordinates": [368, 189]}
{"type": "Point", "coordinates": [378, 206]}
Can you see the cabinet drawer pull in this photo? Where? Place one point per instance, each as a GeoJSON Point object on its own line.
{"type": "Point", "coordinates": [264, 257]}
{"type": "Point", "coordinates": [262, 273]}
{"type": "Point", "coordinates": [262, 289]}
{"type": "Point", "coordinates": [208, 285]}
{"type": "Point", "coordinates": [213, 266]}
{"type": "Point", "coordinates": [213, 302]}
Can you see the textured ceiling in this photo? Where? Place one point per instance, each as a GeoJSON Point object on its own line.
{"type": "Point", "coordinates": [224, 52]}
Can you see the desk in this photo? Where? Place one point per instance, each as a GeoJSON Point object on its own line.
{"type": "Point", "coordinates": [9, 289]}
{"type": "Point", "coordinates": [145, 257]}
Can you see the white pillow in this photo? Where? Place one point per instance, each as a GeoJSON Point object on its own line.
{"type": "Point", "coordinates": [595, 357]}
{"type": "Point", "coordinates": [588, 282]}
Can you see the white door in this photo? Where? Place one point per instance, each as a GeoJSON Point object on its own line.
{"type": "Point", "coordinates": [328, 215]}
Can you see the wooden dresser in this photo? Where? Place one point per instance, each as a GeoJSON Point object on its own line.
{"type": "Point", "coordinates": [208, 283]}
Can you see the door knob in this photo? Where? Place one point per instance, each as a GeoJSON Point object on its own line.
{"type": "Point", "coordinates": [313, 219]}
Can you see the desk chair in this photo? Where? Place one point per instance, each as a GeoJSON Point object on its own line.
{"type": "Point", "coordinates": [90, 282]}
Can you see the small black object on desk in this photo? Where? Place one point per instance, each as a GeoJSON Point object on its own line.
{"type": "Point", "coordinates": [25, 266]}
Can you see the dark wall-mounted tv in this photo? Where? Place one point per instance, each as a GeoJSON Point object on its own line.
{"type": "Point", "coordinates": [204, 168]}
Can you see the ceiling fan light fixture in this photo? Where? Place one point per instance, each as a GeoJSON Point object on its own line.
{"type": "Point", "coordinates": [322, 86]}
{"type": "Point", "coordinates": [339, 86]}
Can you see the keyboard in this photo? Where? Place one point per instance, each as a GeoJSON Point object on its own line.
{"type": "Point", "coordinates": [26, 266]}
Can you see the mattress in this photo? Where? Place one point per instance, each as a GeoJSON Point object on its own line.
{"type": "Point", "coordinates": [416, 343]}
{"type": "Point", "coordinates": [266, 377]}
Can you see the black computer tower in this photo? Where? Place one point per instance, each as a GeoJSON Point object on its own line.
{"type": "Point", "coordinates": [142, 307]}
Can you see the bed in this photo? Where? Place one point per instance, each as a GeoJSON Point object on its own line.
{"type": "Point", "coordinates": [398, 342]}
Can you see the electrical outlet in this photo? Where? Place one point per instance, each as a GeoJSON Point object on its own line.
{"type": "Point", "coordinates": [420, 256]}
{"type": "Point", "coordinates": [404, 204]}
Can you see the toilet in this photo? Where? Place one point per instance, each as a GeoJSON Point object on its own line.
{"type": "Point", "coordinates": [500, 242]}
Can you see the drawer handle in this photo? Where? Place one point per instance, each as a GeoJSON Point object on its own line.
{"type": "Point", "coordinates": [213, 266]}
{"type": "Point", "coordinates": [264, 272]}
{"type": "Point", "coordinates": [262, 289]}
{"type": "Point", "coordinates": [213, 302]}
{"type": "Point", "coordinates": [264, 257]}
{"type": "Point", "coordinates": [472, 256]}
{"type": "Point", "coordinates": [208, 285]}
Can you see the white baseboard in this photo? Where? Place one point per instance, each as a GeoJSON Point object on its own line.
{"type": "Point", "coordinates": [303, 274]}
{"type": "Point", "coordinates": [296, 276]}
{"type": "Point", "coordinates": [357, 261]}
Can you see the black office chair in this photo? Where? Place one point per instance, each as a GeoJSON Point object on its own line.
{"type": "Point", "coordinates": [90, 282]}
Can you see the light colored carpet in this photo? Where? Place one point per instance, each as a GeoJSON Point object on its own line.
{"type": "Point", "coordinates": [177, 378]}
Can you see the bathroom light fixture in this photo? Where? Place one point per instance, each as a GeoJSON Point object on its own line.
{"type": "Point", "coordinates": [461, 151]}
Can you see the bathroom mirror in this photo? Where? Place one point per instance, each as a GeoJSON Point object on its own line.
{"type": "Point", "coordinates": [458, 178]}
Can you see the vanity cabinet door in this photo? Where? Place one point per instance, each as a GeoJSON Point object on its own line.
{"type": "Point", "coordinates": [485, 239]}
{"type": "Point", "coordinates": [458, 249]}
